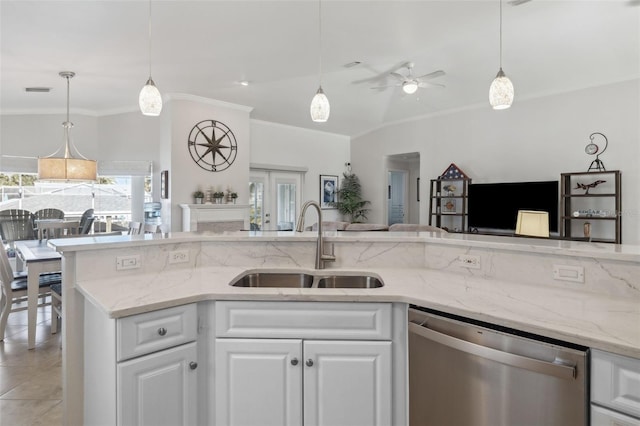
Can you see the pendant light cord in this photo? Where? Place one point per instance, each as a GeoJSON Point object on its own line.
{"type": "Point", "coordinates": [500, 34]}
{"type": "Point", "coordinates": [149, 38]}
{"type": "Point", "coordinates": [320, 40]}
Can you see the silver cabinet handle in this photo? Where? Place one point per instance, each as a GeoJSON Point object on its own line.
{"type": "Point", "coordinates": [193, 365]}
{"type": "Point", "coordinates": [162, 331]}
{"type": "Point", "coordinates": [558, 370]}
{"type": "Point", "coordinates": [294, 361]}
{"type": "Point", "coordinates": [309, 362]}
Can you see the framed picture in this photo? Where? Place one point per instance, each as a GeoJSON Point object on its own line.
{"type": "Point", "coordinates": [164, 184]}
{"type": "Point", "coordinates": [328, 191]}
{"type": "Point", "coordinates": [449, 205]}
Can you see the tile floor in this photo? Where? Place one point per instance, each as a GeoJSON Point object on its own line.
{"type": "Point", "coordinates": [30, 380]}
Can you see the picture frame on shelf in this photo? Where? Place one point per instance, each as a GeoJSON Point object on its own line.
{"type": "Point", "coordinates": [449, 205]}
{"type": "Point", "coordinates": [164, 184]}
{"type": "Point", "coordinates": [328, 191]}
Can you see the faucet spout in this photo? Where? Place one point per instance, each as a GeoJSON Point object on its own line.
{"type": "Point", "coordinates": [321, 256]}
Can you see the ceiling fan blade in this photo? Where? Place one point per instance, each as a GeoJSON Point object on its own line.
{"type": "Point", "coordinates": [398, 76]}
{"type": "Point", "coordinates": [431, 75]}
{"type": "Point", "coordinates": [379, 75]}
{"type": "Point", "coordinates": [383, 87]}
{"type": "Point", "coordinates": [426, 85]}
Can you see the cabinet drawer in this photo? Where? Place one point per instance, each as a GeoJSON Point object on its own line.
{"type": "Point", "coordinates": [615, 382]}
{"type": "Point", "coordinates": [157, 330]}
{"type": "Point", "coordinates": [318, 320]}
{"type": "Point", "coordinates": [604, 417]}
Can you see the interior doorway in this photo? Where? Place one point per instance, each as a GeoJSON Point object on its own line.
{"type": "Point", "coordinates": [396, 196]}
{"type": "Point", "coordinates": [402, 190]}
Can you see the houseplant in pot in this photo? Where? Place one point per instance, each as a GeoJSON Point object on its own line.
{"type": "Point", "coordinates": [350, 203]}
{"type": "Point", "coordinates": [218, 196]}
{"type": "Point", "coordinates": [198, 196]}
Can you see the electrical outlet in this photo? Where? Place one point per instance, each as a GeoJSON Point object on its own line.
{"type": "Point", "coordinates": [179, 256]}
{"type": "Point", "coordinates": [127, 262]}
{"type": "Point", "coordinates": [568, 273]}
{"type": "Point", "coordinates": [469, 261]}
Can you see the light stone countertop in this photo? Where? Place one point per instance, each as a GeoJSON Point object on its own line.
{"type": "Point", "coordinates": [607, 323]}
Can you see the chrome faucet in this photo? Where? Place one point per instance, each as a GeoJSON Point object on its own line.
{"type": "Point", "coordinates": [321, 257]}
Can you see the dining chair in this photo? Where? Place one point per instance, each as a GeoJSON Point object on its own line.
{"type": "Point", "coordinates": [86, 221]}
{"type": "Point", "coordinates": [134, 228]}
{"type": "Point", "coordinates": [150, 228]}
{"type": "Point", "coordinates": [14, 290]}
{"type": "Point", "coordinates": [56, 306]}
{"type": "Point", "coordinates": [16, 224]}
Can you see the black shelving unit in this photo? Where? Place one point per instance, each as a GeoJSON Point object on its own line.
{"type": "Point", "coordinates": [449, 209]}
{"type": "Point", "coordinates": [598, 206]}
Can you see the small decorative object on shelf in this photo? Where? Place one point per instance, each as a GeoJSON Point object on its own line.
{"type": "Point", "coordinates": [218, 196]}
{"type": "Point", "coordinates": [588, 185]}
{"type": "Point", "coordinates": [594, 149]}
{"type": "Point", "coordinates": [231, 196]}
{"type": "Point", "coordinates": [198, 196]}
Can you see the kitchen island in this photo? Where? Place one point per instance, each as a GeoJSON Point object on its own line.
{"type": "Point", "coordinates": [514, 282]}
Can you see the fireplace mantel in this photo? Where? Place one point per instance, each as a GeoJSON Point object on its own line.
{"type": "Point", "coordinates": [215, 217]}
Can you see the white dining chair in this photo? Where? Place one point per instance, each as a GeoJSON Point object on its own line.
{"type": "Point", "coordinates": [134, 228]}
{"type": "Point", "coordinates": [14, 290]}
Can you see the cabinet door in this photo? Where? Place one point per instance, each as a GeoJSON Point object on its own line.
{"type": "Point", "coordinates": [347, 383]}
{"type": "Point", "coordinates": [159, 389]}
{"type": "Point", "coordinates": [258, 382]}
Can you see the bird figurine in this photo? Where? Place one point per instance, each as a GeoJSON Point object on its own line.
{"type": "Point", "coordinates": [587, 186]}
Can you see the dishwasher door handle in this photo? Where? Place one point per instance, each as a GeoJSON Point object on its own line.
{"type": "Point", "coordinates": [532, 364]}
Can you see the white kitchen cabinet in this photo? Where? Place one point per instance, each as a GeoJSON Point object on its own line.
{"type": "Point", "coordinates": [159, 389]}
{"type": "Point", "coordinates": [275, 381]}
{"type": "Point", "coordinates": [309, 363]}
{"type": "Point", "coordinates": [615, 389]}
{"type": "Point", "coordinates": [142, 369]}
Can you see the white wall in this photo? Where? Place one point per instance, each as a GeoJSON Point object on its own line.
{"type": "Point", "coordinates": [536, 139]}
{"type": "Point", "coordinates": [321, 152]}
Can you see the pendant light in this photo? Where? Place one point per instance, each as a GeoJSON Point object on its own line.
{"type": "Point", "coordinates": [320, 108]}
{"type": "Point", "coordinates": [501, 90]}
{"type": "Point", "coordinates": [150, 99]}
{"type": "Point", "coordinates": [68, 167]}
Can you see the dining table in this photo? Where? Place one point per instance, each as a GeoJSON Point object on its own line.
{"type": "Point", "coordinates": [36, 258]}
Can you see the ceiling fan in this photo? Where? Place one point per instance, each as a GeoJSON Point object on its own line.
{"type": "Point", "coordinates": [411, 83]}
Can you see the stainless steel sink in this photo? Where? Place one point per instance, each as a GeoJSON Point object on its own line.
{"type": "Point", "coordinates": [350, 281]}
{"type": "Point", "coordinates": [275, 279]}
{"type": "Point", "coordinates": [303, 280]}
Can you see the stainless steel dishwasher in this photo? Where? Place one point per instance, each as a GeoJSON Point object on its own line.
{"type": "Point", "coordinates": [465, 372]}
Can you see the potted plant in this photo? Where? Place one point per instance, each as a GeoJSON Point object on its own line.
{"type": "Point", "coordinates": [231, 196]}
{"type": "Point", "coordinates": [218, 196]}
{"type": "Point", "coordinates": [350, 202]}
{"type": "Point", "coordinates": [198, 196]}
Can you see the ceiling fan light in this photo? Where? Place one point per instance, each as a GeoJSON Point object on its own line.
{"type": "Point", "coordinates": [320, 108]}
{"type": "Point", "coordinates": [150, 99]}
{"type": "Point", "coordinates": [410, 87]}
{"type": "Point", "coordinates": [501, 91]}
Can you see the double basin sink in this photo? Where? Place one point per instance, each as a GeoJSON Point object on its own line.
{"type": "Point", "coordinates": [306, 280]}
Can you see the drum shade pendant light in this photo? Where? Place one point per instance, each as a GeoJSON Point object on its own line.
{"type": "Point", "coordinates": [150, 99]}
{"type": "Point", "coordinates": [501, 90]}
{"type": "Point", "coordinates": [320, 108]}
{"type": "Point", "coordinates": [67, 167]}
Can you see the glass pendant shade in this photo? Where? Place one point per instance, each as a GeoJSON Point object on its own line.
{"type": "Point", "coordinates": [67, 167]}
{"type": "Point", "coordinates": [320, 108]}
{"type": "Point", "coordinates": [150, 99]}
{"type": "Point", "coordinates": [501, 91]}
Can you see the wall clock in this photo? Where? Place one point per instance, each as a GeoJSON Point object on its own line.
{"type": "Point", "coordinates": [212, 145]}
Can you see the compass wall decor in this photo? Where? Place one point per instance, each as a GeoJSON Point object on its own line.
{"type": "Point", "coordinates": [212, 145]}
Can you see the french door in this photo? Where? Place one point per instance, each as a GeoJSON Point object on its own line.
{"type": "Point", "coordinates": [274, 199]}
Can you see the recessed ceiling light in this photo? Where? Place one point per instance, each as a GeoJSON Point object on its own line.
{"type": "Point", "coordinates": [37, 89]}
{"type": "Point", "coordinates": [244, 82]}
{"type": "Point", "coordinates": [352, 64]}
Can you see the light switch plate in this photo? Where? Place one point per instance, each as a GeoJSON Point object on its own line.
{"type": "Point", "coordinates": [568, 273]}
{"type": "Point", "coordinates": [127, 262]}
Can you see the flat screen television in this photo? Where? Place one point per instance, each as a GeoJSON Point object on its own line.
{"type": "Point", "coordinates": [494, 206]}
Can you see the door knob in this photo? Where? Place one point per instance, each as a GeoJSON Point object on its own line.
{"type": "Point", "coordinates": [309, 362]}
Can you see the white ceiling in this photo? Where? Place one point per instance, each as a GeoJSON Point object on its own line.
{"type": "Point", "coordinates": [205, 48]}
